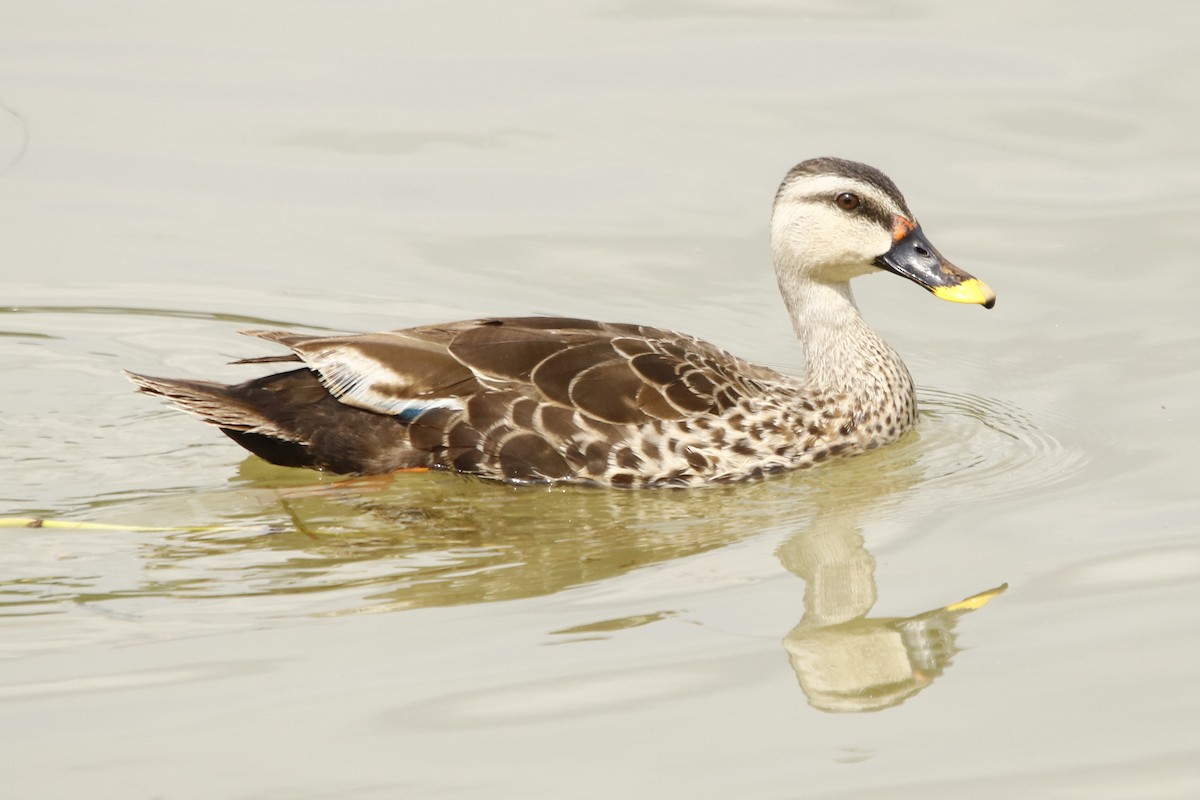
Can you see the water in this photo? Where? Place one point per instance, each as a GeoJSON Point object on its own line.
{"type": "Point", "coordinates": [222, 628]}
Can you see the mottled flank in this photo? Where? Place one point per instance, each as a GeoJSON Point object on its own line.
{"type": "Point", "coordinates": [541, 400]}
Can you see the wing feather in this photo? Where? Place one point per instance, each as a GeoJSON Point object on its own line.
{"type": "Point", "coordinates": [612, 373]}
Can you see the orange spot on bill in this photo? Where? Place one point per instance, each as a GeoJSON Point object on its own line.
{"type": "Point", "coordinates": [901, 227]}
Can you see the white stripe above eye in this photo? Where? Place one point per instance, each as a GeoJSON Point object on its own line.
{"type": "Point", "coordinates": [827, 186]}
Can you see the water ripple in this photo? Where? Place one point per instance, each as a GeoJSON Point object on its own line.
{"type": "Point", "coordinates": [992, 449]}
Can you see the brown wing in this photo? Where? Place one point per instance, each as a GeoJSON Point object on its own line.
{"type": "Point", "coordinates": [619, 374]}
{"type": "Point", "coordinates": [383, 372]}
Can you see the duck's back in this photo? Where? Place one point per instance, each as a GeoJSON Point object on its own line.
{"type": "Point", "coordinates": [537, 399]}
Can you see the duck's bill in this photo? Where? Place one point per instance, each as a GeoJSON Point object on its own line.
{"type": "Point", "coordinates": [913, 257]}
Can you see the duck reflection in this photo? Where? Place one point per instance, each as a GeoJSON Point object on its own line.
{"type": "Point", "coordinates": [531, 543]}
{"type": "Point", "coordinates": [845, 661]}
{"type": "Point", "coordinates": [434, 540]}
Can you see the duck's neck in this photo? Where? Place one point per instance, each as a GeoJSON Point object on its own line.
{"type": "Point", "coordinates": [843, 355]}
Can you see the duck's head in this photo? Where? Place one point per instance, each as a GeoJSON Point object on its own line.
{"type": "Point", "coordinates": [835, 220]}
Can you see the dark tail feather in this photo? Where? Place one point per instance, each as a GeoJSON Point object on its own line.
{"type": "Point", "coordinates": [225, 407]}
{"type": "Point", "coordinates": [290, 419]}
{"type": "Point", "coordinates": [215, 403]}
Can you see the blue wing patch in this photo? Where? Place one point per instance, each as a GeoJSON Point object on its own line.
{"type": "Point", "coordinates": [411, 409]}
{"type": "Point", "coordinates": [410, 413]}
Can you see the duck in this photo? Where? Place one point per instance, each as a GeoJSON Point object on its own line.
{"type": "Point", "coordinates": [550, 400]}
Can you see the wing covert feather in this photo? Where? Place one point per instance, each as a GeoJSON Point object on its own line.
{"type": "Point", "coordinates": [614, 373]}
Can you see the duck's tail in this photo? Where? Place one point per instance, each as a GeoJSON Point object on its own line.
{"type": "Point", "coordinates": [290, 419]}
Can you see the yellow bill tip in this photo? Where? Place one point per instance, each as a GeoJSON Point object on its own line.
{"type": "Point", "coordinates": [972, 290]}
{"type": "Point", "coordinates": [977, 601]}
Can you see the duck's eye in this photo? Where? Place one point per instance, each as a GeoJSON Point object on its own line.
{"type": "Point", "coordinates": [847, 201]}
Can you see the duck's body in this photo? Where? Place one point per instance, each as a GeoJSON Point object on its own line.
{"type": "Point", "coordinates": [548, 400]}
{"type": "Point", "coordinates": [545, 399]}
